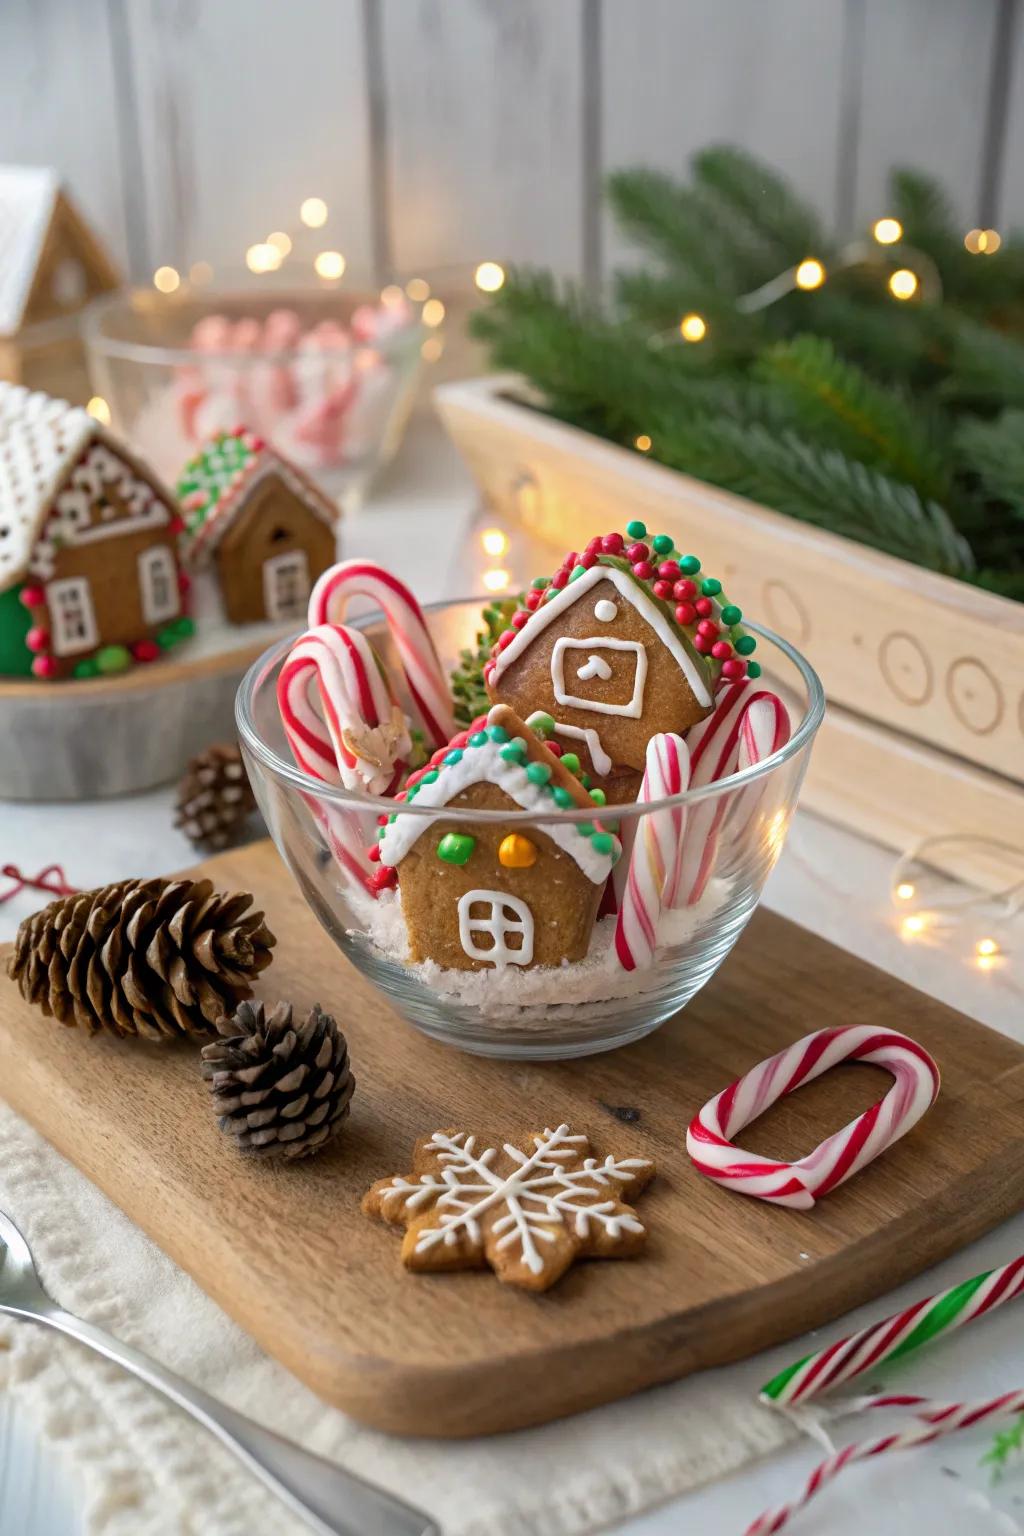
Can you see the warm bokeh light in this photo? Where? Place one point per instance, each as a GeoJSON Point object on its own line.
{"type": "Point", "coordinates": [432, 312]}
{"type": "Point", "coordinates": [489, 276]}
{"type": "Point", "coordinates": [905, 890]}
{"type": "Point", "coordinates": [887, 231]}
{"type": "Point", "coordinates": [986, 948]}
{"type": "Point", "coordinates": [313, 212]}
{"type": "Point", "coordinates": [99, 410]}
{"type": "Point", "coordinates": [494, 541]}
{"type": "Point", "coordinates": [983, 242]}
{"type": "Point", "coordinates": [912, 927]}
{"type": "Point", "coordinates": [200, 272]}
{"type": "Point", "coordinates": [903, 283]}
{"type": "Point", "coordinates": [417, 289]}
{"type": "Point", "coordinates": [431, 349]}
{"type": "Point", "coordinates": [166, 279]}
{"type": "Point", "coordinates": [693, 327]}
{"type": "Point", "coordinates": [329, 265]}
{"type": "Point", "coordinates": [496, 580]}
{"type": "Point", "coordinates": [392, 296]}
{"type": "Point", "coordinates": [775, 835]}
{"type": "Point", "coordinates": [281, 242]}
{"type": "Point", "coordinates": [642, 442]}
{"type": "Point", "coordinates": [810, 274]}
{"type": "Point", "coordinates": [263, 258]}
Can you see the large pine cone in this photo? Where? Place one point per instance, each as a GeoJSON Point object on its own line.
{"type": "Point", "coordinates": [158, 958]}
{"type": "Point", "coordinates": [280, 1091]}
{"type": "Point", "coordinates": [215, 798]}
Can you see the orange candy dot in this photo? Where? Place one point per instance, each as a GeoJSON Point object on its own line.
{"type": "Point", "coordinates": [517, 852]}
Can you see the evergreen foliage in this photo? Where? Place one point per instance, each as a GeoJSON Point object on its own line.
{"type": "Point", "coordinates": [900, 425]}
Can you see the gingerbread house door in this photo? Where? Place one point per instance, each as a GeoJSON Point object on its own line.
{"type": "Point", "coordinates": [286, 585]}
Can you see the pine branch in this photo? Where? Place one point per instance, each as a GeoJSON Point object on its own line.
{"type": "Point", "coordinates": [1006, 1446]}
{"type": "Point", "coordinates": [895, 344]}
{"type": "Point", "coordinates": [673, 221]}
{"type": "Point", "coordinates": [994, 452]}
{"type": "Point", "coordinates": [986, 369]}
{"type": "Point", "coordinates": [761, 197]}
{"type": "Point", "coordinates": [840, 407]}
{"type": "Point", "coordinates": [816, 486]}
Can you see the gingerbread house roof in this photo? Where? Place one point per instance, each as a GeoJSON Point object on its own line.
{"type": "Point", "coordinates": [28, 196]}
{"type": "Point", "coordinates": [491, 754]}
{"type": "Point", "coordinates": [685, 607]}
{"type": "Point", "coordinates": [42, 444]}
{"type": "Point", "coordinates": [216, 484]}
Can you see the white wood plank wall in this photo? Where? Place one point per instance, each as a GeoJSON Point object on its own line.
{"type": "Point", "coordinates": [441, 132]}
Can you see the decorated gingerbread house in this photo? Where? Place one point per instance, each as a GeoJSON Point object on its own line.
{"type": "Point", "coordinates": [624, 641]}
{"type": "Point", "coordinates": [259, 523]}
{"type": "Point", "coordinates": [487, 894]}
{"type": "Point", "coordinates": [89, 574]}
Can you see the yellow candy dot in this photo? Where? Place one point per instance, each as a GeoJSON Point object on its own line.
{"type": "Point", "coordinates": [517, 852]}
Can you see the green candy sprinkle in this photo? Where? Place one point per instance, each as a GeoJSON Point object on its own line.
{"type": "Point", "coordinates": [456, 848]}
{"type": "Point", "coordinates": [689, 565]}
{"type": "Point", "coordinates": [571, 761]}
{"type": "Point", "coordinates": [753, 669]}
{"type": "Point", "coordinates": [541, 723]}
{"type": "Point", "coordinates": [731, 614]}
{"type": "Point", "coordinates": [603, 842]}
{"type": "Point", "coordinates": [113, 658]}
{"type": "Point", "coordinates": [497, 733]}
{"type": "Point", "coordinates": [86, 668]}
{"type": "Point", "coordinates": [453, 757]}
{"type": "Point", "coordinates": [586, 780]}
{"type": "Point", "coordinates": [428, 778]}
{"type": "Point", "coordinates": [515, 752]}
{"type": "Point", "coordinates": [392, 817]}
{"type": "Point", "coordinates": [711, 586]}
{"type": "Point", "coordinates": [636, 529]}
{"type": "Point", "coordinates": [562, 797]}
{"type": "Point", "coordinates": [539, 583]}
{"type": "Point", "coordinates": [662, 544]}
{"type": "Point", "coordinates": [478, 739]}
{"type": "Point", "coordinates": [616, 854]}
{"type": "Point", "coordinates": [599, 797]}
{"type": "Point", "coordinates": [745, 644]}
{"type": "Point", "coordinates": [577, 570]}
{"type": "Point", "coordinates": [585, 828]}
{"type": "Point", "coordinates": [550, 593]}
{"type": "Point", "coordinates": [538, 773]}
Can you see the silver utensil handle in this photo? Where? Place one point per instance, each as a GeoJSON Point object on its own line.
{"type": "Point", "coordinates": [333, 1502]}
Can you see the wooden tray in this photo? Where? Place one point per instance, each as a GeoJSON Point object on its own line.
{"type": "Point", "coordinates": [287, 1253]}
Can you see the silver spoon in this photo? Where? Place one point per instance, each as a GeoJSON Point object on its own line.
{"type": "Point", "coordinates": [332, 1502]}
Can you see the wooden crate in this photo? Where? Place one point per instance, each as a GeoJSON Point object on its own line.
{"type": "Point", "coordinates": [928, 672]}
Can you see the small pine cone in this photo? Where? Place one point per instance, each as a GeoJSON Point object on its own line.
{"type": "Point", "coordinates": [215, 798]}
{"type": "Point", "coordinates": [278, 1090]}
{"type": "Point", "coordinates": [160, 958]}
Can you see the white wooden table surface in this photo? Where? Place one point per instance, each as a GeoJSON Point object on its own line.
{"type": "Point", "coordinates": [418, 522]}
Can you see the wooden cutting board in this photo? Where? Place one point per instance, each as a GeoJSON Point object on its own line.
{"type": "Point", "coordinates": [288, 1254]}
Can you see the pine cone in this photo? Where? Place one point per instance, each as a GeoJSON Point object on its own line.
{"type": "Point", "coordinates": [467, 679]}
{"type": "Point", "coordinates": [215, 798]}
{"type": "Point", "coordinates": [159, 958]}
{"type": "Point", "coordinates": [280, 1091]}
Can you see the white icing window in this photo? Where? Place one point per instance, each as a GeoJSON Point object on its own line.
{"type": "Point", "coordinates": [286, 586]}
{"type": "Point", "coordinates": [503, 923]}
{"type": "Point", "coordinates": [605, 610]}
{"type": "Point", "coordinates": [158, 584]}
{"type": "Point", "coordinates": [594, 658]}
{"type": "Point", "coordinates": [72, 617]}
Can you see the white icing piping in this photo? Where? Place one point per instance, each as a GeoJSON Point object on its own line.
{"type": "Point", "coordinates": [633, 708]}
{"type": "Point", "coordinates": [634, 594]}
{"type": "Point", "coordinates": [589, 737]}
{"type": "Point", "coordinates": [498, 926]}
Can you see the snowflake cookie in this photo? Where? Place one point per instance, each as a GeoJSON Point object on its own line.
{"type": "Point", "coordinates": [528, 1213]}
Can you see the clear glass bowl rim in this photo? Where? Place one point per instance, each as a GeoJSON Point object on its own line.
{"type": "Point", "coordinates": [99, 341]}
{"type": "Point", "coordinates": [290, 774]}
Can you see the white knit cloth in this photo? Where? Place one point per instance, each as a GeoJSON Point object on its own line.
{"type": "Point", "coordinates": [143, 1469]}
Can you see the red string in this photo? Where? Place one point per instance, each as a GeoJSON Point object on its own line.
{"type": "Point", "coordinates": [52, 880]}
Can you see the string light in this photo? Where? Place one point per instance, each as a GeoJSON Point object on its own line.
{"type": "Point", "coordinates": [489, 276]}
{"type": "Point", "coordinates": [983, 242]}
{"type": "Point", "coordinates": [99, 410]}
{"type": "Point", "coordinates": [392, 296]}
{"type": "Point", "coordinates": [809, 274]}
{"type": "Point", "coordinates": [948, 906]}
{"type": "Point", "coordinates": [432, 349]}
{"type": "Point", "coordinates": [903, 283]}
{"type": "Point", "coordinates": [693, 328]}
{"type": "Point", "coordinates": [417, 289]}
{"type": "Point", "coordinates": [887, 231]}
{"type": "Point", "coordinates": [496, 580]}
{"type": "Point", "coordinates": [642, 443]}
{"type": "Point", "coordinates": [263, 257]}
{"type": "Point", "coordinates": [494, 541]}
{"type": "Point", "coordinates": [905, 890]}
{"type": "Point", "coordinates": [166, 280]}
{"type": "Point", "coordinates": [281, 242]}
{"type": "Point", "coordinates": [329, 265]}
{"type": "Point", "coordinates": [986, 947]}
{"type": "Point", "coordinates": [313, 212]}
{"type": "Point", "coordinates": [200, 272]}
{"type": "Point", "coordinates": [432, 312]}
{"type": "Point", "coordinates": [912, 927]}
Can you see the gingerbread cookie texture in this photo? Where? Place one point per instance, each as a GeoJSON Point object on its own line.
{"type": "Point", "coordinates": [493, 894]}
{"type": "Point", "coordinates": [529, 1211]}
{"type": "Point", "coordinates": [624, 642]}
{"type": "Point", "coordinates": [259, 523]}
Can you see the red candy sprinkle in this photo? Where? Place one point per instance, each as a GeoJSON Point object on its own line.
{"type": "Point", "coordinates": [553, 748]}
{"type": "Point", "coordinates": [702, 643]}
{"type": "Point", "coordinates": [733, 669]}
{"type": "Point", "coordinates": [184, 582]}
{"type": "Point", "coordinates": [708, 627]}
{"type": "Point", "coordinates": [44, 666]}
{"type": "Point", "coordinates": [373, 853]}
{"type": "Point", "coordinates": [519, 618]}
{"type": "Point", "coordinates": [146, 650]}
{"type": "Point", "coordinates": [684, 590]}
{"type": "Point", "coordinates": [643, 570]}
{"type": "Point", "coordinates": [32, 597]}
{"type": "Point", "coordinates": [533, 599]}
{"type": "Point", "coordinates": [637, 552]}
{"type": "Point", "coordinates": [662, 589]}
{"type": "Point", "coordinates": [381, 879]}
{"type": "Point", "coordinates": [613, 543]}
{"type": "Point", "coordinates": [559, 579]}
{"type": "Point", "coordinates": [686, 613]}
{"type": "Point", "coordinates": [668, 570]}
{"type": "Point", "coordinates": [588, 559]}
{"type": "Point", "coordinates": [382, 821]}
{"type": "Point", "coordinates": [721, 649]}
{"type": "Point", "coordinates": [595, 545]}
{"type": "Point", "coordinates": [505, 639]}
{"type": "Point", "coordinates": [705, 607]}
{"type": "Point", "coordinates": [438, 756]}
{"type": "Point", "coordinates": [37, 639]}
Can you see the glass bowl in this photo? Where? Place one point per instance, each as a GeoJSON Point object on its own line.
{"type": "Point", "coordinates": [327, 377]}
{"type": "Point", "coordinates": [572, 1009]}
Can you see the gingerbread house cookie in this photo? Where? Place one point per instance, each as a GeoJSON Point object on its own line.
{"type": "Point", "coordinates": [259, 523]}
{"type": "Point", "coordinates": [625, 641]}
{"type": "Point", "coordinates": [487, 894]}
{"type": "Point", "coordinates": [89, 574]}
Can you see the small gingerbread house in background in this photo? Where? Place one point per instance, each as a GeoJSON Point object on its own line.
{"type": "Point", "coordinates": [51, 267]}
{"type": "Point", "coordinates": [260, 524]}
{"type": "Point", "coordinates": [486, 894]}
{"type": "Point", "coordinates": [89, 573]}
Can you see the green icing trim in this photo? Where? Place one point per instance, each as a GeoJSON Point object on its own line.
{"type": "Point", "coordinates": [211, 475]}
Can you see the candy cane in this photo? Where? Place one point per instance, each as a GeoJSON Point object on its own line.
{"type": "Point", "coordinates": [937, 1420]}
{"type": "Point", "coordinates": [652, 881]}
{"type": "Point", "coordinates": [800, 1184]}
{"type": "Point", "coordinates": [423, 671]}
{"type": "Point", "coordinates": [714, 748]}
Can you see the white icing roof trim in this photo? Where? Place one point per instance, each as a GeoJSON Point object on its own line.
{"type": "Point", "coordinates": [27, 199]}
{"type": "Point", "coordinates": [634, 594]}
{"type": "Point", "coordinates": [486, 765]}
{"type": "Point", "coordinates": [201, 544]}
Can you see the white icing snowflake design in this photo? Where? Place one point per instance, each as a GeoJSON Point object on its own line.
{"type": "Point", "coordinates": [529, 1218]}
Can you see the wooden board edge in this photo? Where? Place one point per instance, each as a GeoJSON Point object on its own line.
{"type": "Point", "coordinates": [146, 679]}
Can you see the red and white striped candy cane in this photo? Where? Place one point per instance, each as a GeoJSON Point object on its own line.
{"type": "Point", "coordinates": [764, 729]}
{"type": "Point", "coordinates": [936, 1420]}
{"type": "Point", "coordinates": [424, 673]}
{"type": "Point", "coordinates": [656, 839]}
{"type": "Point", "coordinates": [713, 745]}
{"type": "Point", "coordinates": [709, 1138]}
